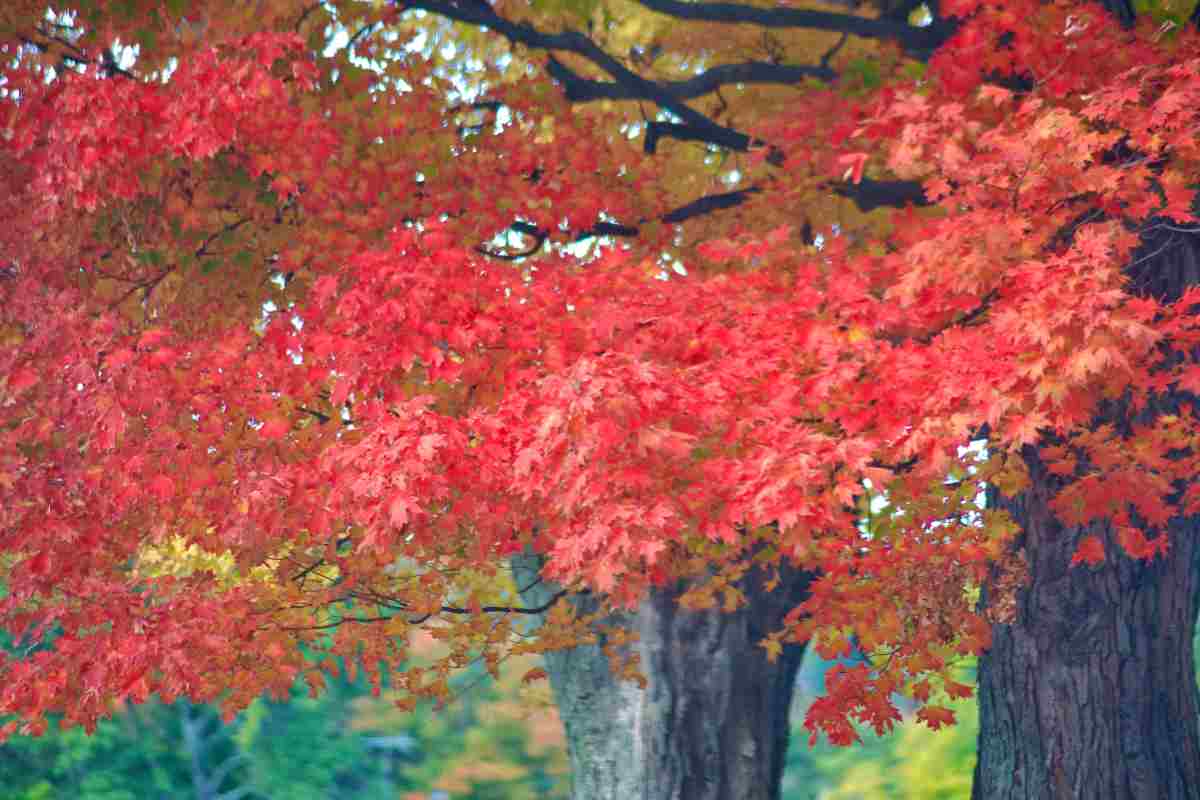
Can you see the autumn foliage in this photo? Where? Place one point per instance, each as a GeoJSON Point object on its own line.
{"type": "Point", "coordinates": [343, 336]}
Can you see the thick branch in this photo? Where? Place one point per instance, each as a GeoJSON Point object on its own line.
{"type": "Point", "coordinates": [477, 12]}
{"type": "Point", "coordinates": [709, 203]}
{"type": "Point", "coordinates": [693, 126]}
{"type": "Point", "coordinates": [583, 90]}
{"type": "Point", "coordinates": [924, 39]}
{"type": "Point", "coordinates": [871, 194]}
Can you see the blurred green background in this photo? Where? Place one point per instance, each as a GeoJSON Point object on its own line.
{"type": "Point", "coordinates": [500, 740]}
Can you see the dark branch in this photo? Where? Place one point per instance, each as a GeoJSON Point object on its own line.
{"type": "Point", "coordinates": [833, 51]}
{"type": "Point", "coordinates": [1123, 10]}
{"type": "Point", "coordinates": [320, 416]}
{"type": "Point", "coordinates": [708, 204]}
{"type": "Point", "coordinates": [924, 39]}
{"type": "Point", "coordinates": [544, 607]}
{"type": "Point", "coordinates": [871, 194]}
{"type": "Point", "coordinates": [962, 320]}
{"type": "Point", "coordinates": [539, 236]}
{"type": "Point", "coordinates": [365, 30]}
{"type": "Point", "coordinates": [579, 89]}
{"type": "Point", "coordinates": [477, 12]}
{"type": "Point", "coordinates": [685, 132]}
{"type": "Point", "coordinates": [77, 55]}
{"type": "Point", "coordinates": [696, 208]}
{"type": "Point", "coordinates": [304, 15]}
{"type": "Point", "coordinates": [693, 125]}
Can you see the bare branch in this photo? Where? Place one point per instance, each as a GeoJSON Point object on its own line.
{"type": "Point", "coordinates": [923, 39]}
{"type": "Point", "coordinates": [584, 90]}
{"type": "Point", "coordinates": [477, 12]}
{"type": "Point", "coordinates": [870, 194]}
{"type": "Point", "coordinates": [696, 208]}
{"type": "Point", "coordinates": [541, 609]}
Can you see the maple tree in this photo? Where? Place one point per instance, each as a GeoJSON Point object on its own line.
{"type": "Point", "coordinates": [317, 316]}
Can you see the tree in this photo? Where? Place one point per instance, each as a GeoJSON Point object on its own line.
{"type": "Point", "coordinates": [348, 308]}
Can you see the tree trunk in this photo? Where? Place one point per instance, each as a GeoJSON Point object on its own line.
{"type": "Point", "coordinates": [1090, 692]}
{"type": "Point", "coordinates": [712, 722]}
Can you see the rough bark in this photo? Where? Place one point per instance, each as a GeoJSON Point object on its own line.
{"type": "Point", "coordinates": [1091, 691]}
{"type": "Point", "coordinates": [712, 722]}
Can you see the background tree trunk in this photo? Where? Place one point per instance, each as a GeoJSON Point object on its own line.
{"type": "Point", "coordinates": [1091, 691]}
{"type": "Point", "coordinates": [712, 723]}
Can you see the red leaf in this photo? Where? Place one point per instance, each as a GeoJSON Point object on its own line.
{"type": "Point", "coordinates": [39, 564]}
{"type": "Point", "coordinates": [428, 445]}
{"type": "Point", "coordinates": [936, 716]}
{"type": "Point", "coordinates": [119, 358]}
{"type": "Point", "coordinates": [161, 488]}
{"type": "Point", "coordinates": [22, 379]}
{"type": "Point", "coordinates": [152, 338]}
{"type": "Point", "coordinates": [854, 164]}
{"type": "Point", "coordinates": [398, 510]}
{"type": "Point", "coordinates": [1090, 551]}
{"type": "Point", "coordinates": [275, 427]}
{"type": "Point", "coordinates": [718, 251]}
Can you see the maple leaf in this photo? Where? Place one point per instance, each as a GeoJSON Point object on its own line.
{"type": "Point", "coordinates": [22, 379]}
{"type": "Point", "coordinates": [275, 427]}
{"type": "Point", "coordinates": [161, 487]}
{"type": "Point", "coordinates": [153, 337]}
{"type": "Point", "coordinates": [957, 691]}
{"type": "Point", "coordinates": [535, 674]}
{"type": "Point", "coordinates": [428, 445]}
{"type": "Point", "coordinates": [718, 251]}
{"type": "Point", "coordinates": [935, 716]}
{"type": "Point", "coordinates": [1023, 428]}
{"type": "Point", "coordinates": [853, 164]}
{"type": "Point", "coordinates": [997, 95]}
{"type": "Point", "coordinates": [1090, 551]}
{"type": "Point", "coordinates": [398, 509]}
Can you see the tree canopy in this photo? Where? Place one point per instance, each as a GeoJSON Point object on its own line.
{"type": "Point", "coordinates": [313, 315]}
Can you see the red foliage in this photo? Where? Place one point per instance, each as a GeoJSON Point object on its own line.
{"type": "Point", "coordinates": [409, 411]}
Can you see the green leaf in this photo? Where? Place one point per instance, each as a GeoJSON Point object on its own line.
{"type": "Point", "coordinates": [867, 72]}
{"type": "Point", "coordinates": [152, 257]}
{"type": "Point", "coordinates": [147, 38]}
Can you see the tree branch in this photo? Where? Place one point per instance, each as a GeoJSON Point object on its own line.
{"type": "Point", "coordinates": [928, 38]}
{"type": "Point", "coordinates": [710, 203]}
{"type": "Point", "coordinates": [695, 126]}
{"type": "Point", "coordinates": [477, 12]}
{"type": "Point", "coordinates": [224, 769]}
{"type": "Point", "coordinates": [583, 90]}
{"type": "Point", "coordinates": [696, 208]}
{"type": "Point", "coordinates": [870, 194]}
{"type": "Point", "coordinates": [385, 602]}
{"type": "Point", "coordinates": [238, 793]}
